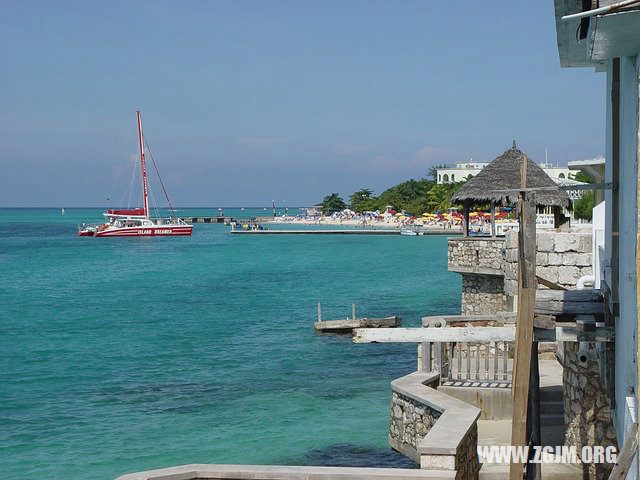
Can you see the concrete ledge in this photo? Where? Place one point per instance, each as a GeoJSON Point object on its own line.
{"type": "Point", "coordinates": [455, 422]}
{"type": "Point", "coordinates": [476, 270]}
{"type": "Point", "coordinates": [274, 472]}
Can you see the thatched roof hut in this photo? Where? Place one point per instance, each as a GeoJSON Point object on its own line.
{"type": "Point", "coordinates": [498, 184]}
{"type": "Point", "coordinates": [504, 174]}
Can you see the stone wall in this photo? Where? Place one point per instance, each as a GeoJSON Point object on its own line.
{"type": "Point", "coordinates": [476, 254]}
{"type": "Point", "coordinates": [410, 422]}
{"type": "Point", "coordinates": [436, 430]}
{"type": "Point", "coordinates": [483, 294]}
{"type": "Point", "coordinates": [481, 263]}
{"type": "Point", "coordinates": [562, 258]}
{"type": "Point", "coordinates": [587, 415]}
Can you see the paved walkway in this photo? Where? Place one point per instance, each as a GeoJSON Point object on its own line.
{"type": "Point", "coordinates": [498, 432]}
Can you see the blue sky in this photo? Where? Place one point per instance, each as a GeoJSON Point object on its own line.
{"type": "Point", "coordinates": [248, 101]}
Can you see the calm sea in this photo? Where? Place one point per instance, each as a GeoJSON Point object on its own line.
{"type": "Point", "coordinates": [127, 354]}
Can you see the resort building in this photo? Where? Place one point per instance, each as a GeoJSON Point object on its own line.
{"type": "Point", "coordinates": [466, 170]}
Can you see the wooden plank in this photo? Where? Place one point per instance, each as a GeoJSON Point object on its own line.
{"type": "Point", "coordinates": [505, 359]}
{"type": "Point", "coordinates": [550, 284]}
{"type": "Point", "coordinates": [562, 333]}
{"type": "Point", "coordinates": [419, 335]}
{"type": "Point", "coordinates": [625, 458]}
{"type": "Point", "coordinates": [587, 295]}
{"type": "Point", "coordinates": [351, 323]}
{"type": "Point", "coordinates": [527, 287]}
{"type": "Point", "coordinates": [568, 308]}
{"type": "Point", "coordinates": [544, 321]}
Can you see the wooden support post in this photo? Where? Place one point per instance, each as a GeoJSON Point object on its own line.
{"type": "Point", "coordinates": [533, 420]}
{"type": "Point", "coordinates": [527, 286]}
{"type": "Point", "coordinates": [353, 311]}
{"type": "Point", "coordinates": [319, 312]}
{"type": "Point", "coordinates": [465, 218]}
{"type": "Point", "coordinates": [493, 218]}
{"type": "Point", "coordinates": [560, 221]}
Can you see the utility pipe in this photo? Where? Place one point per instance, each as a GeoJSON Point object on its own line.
{"type": "Point", "coordinates": [597, 11]}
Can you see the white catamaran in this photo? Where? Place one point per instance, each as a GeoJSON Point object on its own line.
{"type": "Point", "coordinates": [137, 222]}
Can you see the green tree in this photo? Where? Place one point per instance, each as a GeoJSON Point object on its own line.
{"type": "Point", "coordinates": [582, 177]}
{"type": "Point", "coordinates": [333, 203]}
{"type": "Point", "coordinates": [439, 197]}
{"type": "Point", "coordinates": [583, 207]}
{"type": "Point", "coordinates": [362, 200]}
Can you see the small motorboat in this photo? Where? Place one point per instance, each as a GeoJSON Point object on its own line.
{"type": "Point", "coordinates": [412, 231]}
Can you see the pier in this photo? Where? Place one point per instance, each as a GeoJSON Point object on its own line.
{"type": "Point", "coordinates": [349, 324]}
{"type": "Point", "coordinates": [208, 219]}
{"type": "Point", "coordinates": [439, 231]}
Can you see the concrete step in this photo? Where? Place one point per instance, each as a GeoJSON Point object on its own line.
{"type": "Point", "coordinates": [552, 393]}
{"type": "Point", "coordinates": [549, 472]}
{"type": "Point", "coordinates": [552, 407]}
{"type": "Point", "coordinates": [549, 419]}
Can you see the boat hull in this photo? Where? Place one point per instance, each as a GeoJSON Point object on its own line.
{"type": "Point", "coordinates": [159, 231]}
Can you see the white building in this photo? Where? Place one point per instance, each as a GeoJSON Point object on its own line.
{"type": "Point", "coordinates": [609, 42]}
{"type": "Point", "coordinates": [465, 170]}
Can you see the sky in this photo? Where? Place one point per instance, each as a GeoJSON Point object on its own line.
{"type": "Point", "coordinates": [245, 102]}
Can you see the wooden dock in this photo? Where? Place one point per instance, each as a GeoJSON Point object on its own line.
{"type": "Point", "coordinates": [347, 325]}
{"type": "Point", "coordinates": [208, 219]}
{"type": "Point", "coordinates": [442, 231]}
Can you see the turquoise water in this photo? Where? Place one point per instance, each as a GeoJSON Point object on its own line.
{"type": "Point", "coordinates": [127, 354]}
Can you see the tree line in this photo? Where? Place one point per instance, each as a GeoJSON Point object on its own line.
{"type": "Point", "coordinates": [412, 196]}
{"type": "Point", "coordinates": [416, 197]}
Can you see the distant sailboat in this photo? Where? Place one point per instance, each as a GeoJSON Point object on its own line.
{"type": "Point", "coordinates": [63, 212]}
{"type": "Point", "coordinates": [137, 222]}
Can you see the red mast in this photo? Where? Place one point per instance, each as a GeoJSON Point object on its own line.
{"type": "Point", "coordinates": [144, 168]}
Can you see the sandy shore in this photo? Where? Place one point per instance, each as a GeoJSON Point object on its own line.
{"type": "Point", "coordinates": [353, 223]}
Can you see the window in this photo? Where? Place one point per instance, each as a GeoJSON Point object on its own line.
{"type": "Point", "coordinates": [445, 178]}
{"type": "Point", "coordinates": [453, 177]}
{"type": "Point", "coordinates": [561, 175]}
{"type": "Point", "coordinates": [439, 178]}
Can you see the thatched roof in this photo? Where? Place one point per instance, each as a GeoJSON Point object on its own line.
{"type": "Point", "coordinates": [504, 174]}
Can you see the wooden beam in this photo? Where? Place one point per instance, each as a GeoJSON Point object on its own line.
{"type": "Point", "coordinates": [465, 218]}
{"type": "Point", "coordinates": [564, 333]}
{"type": "Point", "coordinates": [527, 286]}
{"type": "Point", "coordinates": [568, 308]}
{"type": "Point", "coordinates": [493, 218]}
{"type": "Point", "coordinates": [419, 335]}
{"type": "Point", "coordinates": [588, 295]}
{"type": "Point", "coordinates": [550, 284]}
{"type": "Point", "coordinates": [625, 458]}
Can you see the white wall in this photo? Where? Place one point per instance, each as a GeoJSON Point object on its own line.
{"type": "Point", "coordinates": [627, 324]}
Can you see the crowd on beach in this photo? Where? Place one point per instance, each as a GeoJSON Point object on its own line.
{"type": "Point", "coordinates": [386, 219]}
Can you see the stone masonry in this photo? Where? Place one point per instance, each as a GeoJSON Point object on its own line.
{"type": "Point", "coordinates": [410, 422]}
{"type": "Point", "coordinates": [483, 294]}
{"type": "Point", "coordinates": [481, 263]}
{"type": "Point", "coordinates": [587, 414]}
{"type": "Point", "coordinates": [476, 254]}
{"type": "Point", "coordinates": [562, 258]}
